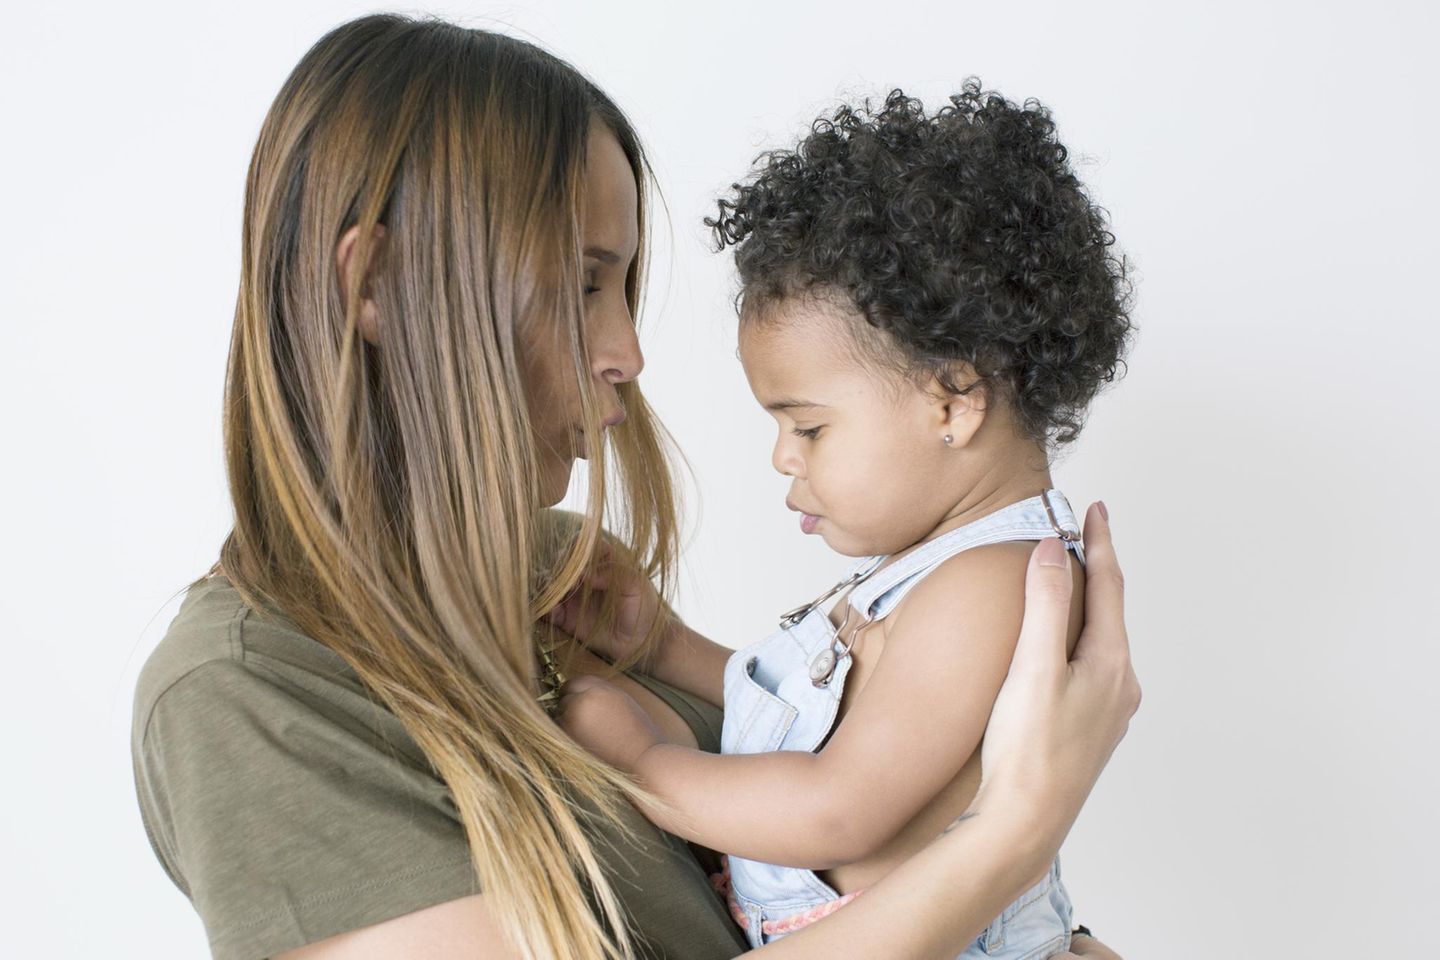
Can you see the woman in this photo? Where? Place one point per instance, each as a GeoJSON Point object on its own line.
{"type": "Point", "coordinates": [341, 745]}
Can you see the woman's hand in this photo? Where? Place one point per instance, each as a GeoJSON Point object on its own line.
{"type": "Point", "coordinates": [607, 721]}
{"type": "Point", "coordinates": [637, 606]}
{"type": "Point", "coordinates": [1056, 722]}
{"type": "Point", "coordinates": [1083, 946]}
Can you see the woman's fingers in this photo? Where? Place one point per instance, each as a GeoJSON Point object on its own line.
{"type": "Point", "coordinates": [1041, 649]}
{"type": "Point", "coordinates": [1104, 641]}
{"type": "Point", "coordinates": [1055, 721]}
{"type": "Point", "coordinates": [1083, 946]}
{"type": "Point", "coordinates": [1104, 592]}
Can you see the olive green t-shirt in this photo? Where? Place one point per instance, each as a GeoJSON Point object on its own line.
{"type": "Point", "coordinates": [289, 806]}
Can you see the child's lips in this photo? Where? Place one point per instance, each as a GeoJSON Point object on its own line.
{"type": "Point", "coordinates": [807, 520]}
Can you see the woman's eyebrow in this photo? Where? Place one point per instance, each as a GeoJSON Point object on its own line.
{"type": "Point", "coordinates": [602, 254]}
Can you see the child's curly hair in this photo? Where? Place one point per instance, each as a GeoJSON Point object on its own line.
{"type": "Point", "coordinates": [964, 235]}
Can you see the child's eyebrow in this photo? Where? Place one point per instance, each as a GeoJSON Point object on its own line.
{"type": "Point", "coordinates": [776, 406]}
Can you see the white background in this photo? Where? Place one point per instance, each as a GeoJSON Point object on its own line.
{"type": "Point", "coordinates": [1270, 461]}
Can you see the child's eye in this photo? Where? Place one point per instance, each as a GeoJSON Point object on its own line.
{"type": "Point", "coordinates": [810, 433]}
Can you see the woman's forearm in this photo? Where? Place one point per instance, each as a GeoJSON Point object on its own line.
{"type": "Point", "coordinates": [967, 876]}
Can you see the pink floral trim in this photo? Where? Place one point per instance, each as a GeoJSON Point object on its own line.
{"type": "Point", "coordinates": [721, 883]}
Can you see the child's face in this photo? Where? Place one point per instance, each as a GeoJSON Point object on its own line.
{"type": "Point", "coordinates": [866, 454]}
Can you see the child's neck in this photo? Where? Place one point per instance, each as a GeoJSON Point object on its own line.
{"type": "Point", "coordinates": [1017, 473]}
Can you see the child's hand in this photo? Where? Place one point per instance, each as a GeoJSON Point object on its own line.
{"type": "Point", "coordinates": [607, 721]}
{"type": "Point", "coordinates": [637, 606]}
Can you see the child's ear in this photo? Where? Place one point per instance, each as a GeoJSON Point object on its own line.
{"type": "Point", "coordinates": [369, 319]}
{"type": "Point", "coordinates": [962, 405]}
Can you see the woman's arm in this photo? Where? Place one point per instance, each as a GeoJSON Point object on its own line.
{"type": "Point", "coordinates": [456, 930]}
{"type": "Point", "coordinates": [1051, 732]}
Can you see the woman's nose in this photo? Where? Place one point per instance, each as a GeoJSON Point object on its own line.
{"type": "Point", "coordinates": [616, 352]}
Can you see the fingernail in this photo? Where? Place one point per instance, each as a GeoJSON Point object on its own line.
{"type": "Point", "coordinates": [1103, 512]}
{"type": "Point", "coordinates": [1050, 553]}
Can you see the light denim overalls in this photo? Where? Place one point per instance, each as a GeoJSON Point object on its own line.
{"type": "Point", "coordinates": [772, 703]}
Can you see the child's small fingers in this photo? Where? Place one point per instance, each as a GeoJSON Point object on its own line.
{"type": "Point", "coordinates": [580, 684]}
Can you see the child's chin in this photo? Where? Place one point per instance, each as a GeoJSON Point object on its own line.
{"type": "Point", "coordinates": [845, 546]}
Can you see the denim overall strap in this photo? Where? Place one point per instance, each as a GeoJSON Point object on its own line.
{"type": "Point", "coordinates": [1048, 515]}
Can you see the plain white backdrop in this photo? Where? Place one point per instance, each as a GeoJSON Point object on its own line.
{"type": "Point", "coordinates": [1270, 461]}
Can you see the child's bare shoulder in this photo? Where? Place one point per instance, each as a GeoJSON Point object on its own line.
{"type": "Point", "coordinates": [977, 593]}
{"type": "Point", "coordinates": [986, 582]}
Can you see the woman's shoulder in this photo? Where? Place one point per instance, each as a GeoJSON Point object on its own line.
{"type": "Point", "coordinates": [216, 631]}
{"type": "Point", "coordinates": [221, 655]}
{"type": "Point", "coordinates": [284, 801]}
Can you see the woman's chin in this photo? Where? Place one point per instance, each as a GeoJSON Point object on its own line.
{"type": "Point", "coordinates": [556, 481]}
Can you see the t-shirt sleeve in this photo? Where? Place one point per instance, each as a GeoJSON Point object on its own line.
{"type": "Point", "coordinates": [288, 818]}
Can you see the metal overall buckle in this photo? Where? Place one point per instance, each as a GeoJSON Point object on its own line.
{"type": "Point", "coordinates": [792, 617]}
{"type": "Point", "coordinates": [823, 664]}
{"type": "Point", "coordinates": [1069, 536]}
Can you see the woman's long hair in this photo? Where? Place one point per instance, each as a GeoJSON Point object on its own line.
{"type": "Point", "coordinates": [386, 496]}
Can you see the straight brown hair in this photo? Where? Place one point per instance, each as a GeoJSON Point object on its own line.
{"type": "Point", "coordinates": [386, 494]}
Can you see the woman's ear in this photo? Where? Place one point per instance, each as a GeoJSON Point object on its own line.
{"type": "Point", "coordinates": [369, 319]}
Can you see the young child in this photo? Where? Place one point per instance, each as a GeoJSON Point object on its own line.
{"type": "Point", "coordinates": [928, 304]}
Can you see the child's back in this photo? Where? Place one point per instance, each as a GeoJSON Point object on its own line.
{"type": "Point", "coordinates": [982, 591]}
{"type": "Point", "coordinates": [888, 697]}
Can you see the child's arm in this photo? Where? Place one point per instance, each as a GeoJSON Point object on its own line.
{"type": "Point", "coordinates": [908, 733]}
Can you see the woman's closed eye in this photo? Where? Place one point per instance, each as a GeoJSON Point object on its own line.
{"type": "Point", "coordinates": [808, 433]}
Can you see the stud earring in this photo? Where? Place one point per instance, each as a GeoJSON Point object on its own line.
{"type": "Point", "coordinates": [949, 439]}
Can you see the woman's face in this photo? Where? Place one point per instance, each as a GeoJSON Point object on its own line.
{"type": "Point", "coordinates": [610, 236]}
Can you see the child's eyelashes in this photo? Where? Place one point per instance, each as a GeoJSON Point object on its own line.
{"type": "Point", "coordinates": [808, 433]}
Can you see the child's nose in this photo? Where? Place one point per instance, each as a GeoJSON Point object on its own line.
{"type": "Point", "coordinates": [785, 460]}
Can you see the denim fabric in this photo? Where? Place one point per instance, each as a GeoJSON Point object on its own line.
{"type": "Point", "coordinates": [771, 704]}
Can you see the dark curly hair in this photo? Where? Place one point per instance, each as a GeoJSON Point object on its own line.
{"type": "Point", "coordinates": [964, 235]}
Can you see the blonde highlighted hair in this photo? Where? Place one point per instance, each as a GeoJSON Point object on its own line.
{"type": "Point", "coordinates": [386, 495]}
